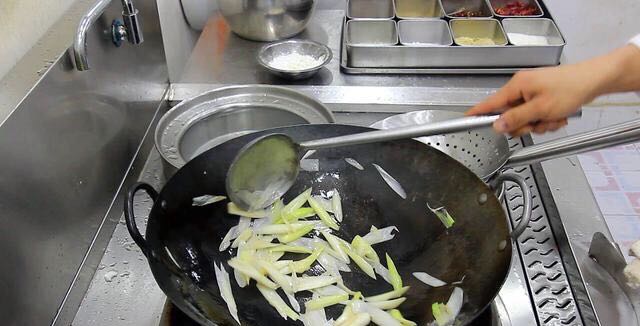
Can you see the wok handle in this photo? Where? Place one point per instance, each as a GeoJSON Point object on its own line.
{"type": "Point", "coordinates": [426, 129]}
{"type": "Point", "coordinates": [618, 134]}
{"type": "Point", "coordinates": [130, 217]}
{"type": "Point", "coordinates": [526, 200]}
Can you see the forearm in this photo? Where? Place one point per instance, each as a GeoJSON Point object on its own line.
{"type": "Point", "coordinates": [618, 71]}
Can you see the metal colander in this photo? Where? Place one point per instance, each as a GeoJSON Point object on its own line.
{"type": "Point", "coordinates": [482, 150]}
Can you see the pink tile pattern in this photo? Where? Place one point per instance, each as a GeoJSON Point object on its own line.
{"type": "Point", "coordinates": [614, 177]}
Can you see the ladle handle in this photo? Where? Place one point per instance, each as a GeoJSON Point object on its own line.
{"type": "Point", "coordinates": [435, 128]}
{"type": "Point", "coordinates": [618, 134]}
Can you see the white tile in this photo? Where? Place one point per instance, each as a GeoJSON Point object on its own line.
{"type": "Point", "coordinates": [622, 160]}
{"type": "Point", "coordinates": [628, 180]}
{"type": "Point", "coordinates": [614, 203]}
{"type": "Point", "coordinates": [625, 231]}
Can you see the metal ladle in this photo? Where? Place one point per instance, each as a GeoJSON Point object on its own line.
{"type": "Point", "coordinates": [266, 168]}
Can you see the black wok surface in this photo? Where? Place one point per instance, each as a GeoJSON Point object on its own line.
{"type": "Point", "coordinates": [182, 240]}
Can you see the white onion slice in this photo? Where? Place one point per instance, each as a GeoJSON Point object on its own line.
{"type": "Point", "coordinates": [376, 236]}
{"type": "Point", "coordinates": [391, 181]}
{"type": "Point", "coordinates": [378, 316]}
{"type": "Point", "coordinates": [428, 279]}
{"type": "Point", "coordinates": [329, 290]}
{"type": "Point", "coordinates": [336, 204]}
{"type": "Point", "coordinates": [354, 163]}
{"type": "Point", "coordinates": [222, 277]}
{"type": "Point", "coordinates": [293, 301]}
{"type": "Point", "coordinates": [230, 236]}
{"type": "Point", "coordinates": [306, 283]}
{"type": "Point", "coordinates": [455, 302]}
{"type": "Point", "coordinates": [381, 270]}
{"type": "Point", "coordinates": [207, 200]}
{"type": "Point", "coordinates": [241, 279]}
{"type": "Point", "coordinates": [274, 299]}
{"type": "Point", "coordinates": [388, 304]}
{"type": "Point", "coordinates": [310, 165]}
{"type": "Point", "coordinates": [324, 203]}
{"type": "Point", "coordinates": [316, 317]}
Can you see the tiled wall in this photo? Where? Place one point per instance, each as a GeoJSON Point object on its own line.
{"type": "Point", "coordinates": [614, 175]}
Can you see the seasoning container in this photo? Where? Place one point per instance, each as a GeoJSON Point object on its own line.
{"type": "Point", "coordinates": [466, 9]}
{"type": "Point", "coordinates": [418, 9]}
{"type": "Point", "coordinates": [477, 32]}
{"type": "Point", "coordinates": [516, 8]}
{"type": "Point", "coordinates": [424, 33]}
{"type": "Point", "coordinates": [532, 32]}
{"type": "Point", "coordinates": [372, 32]}
{"type": "Point", "coordinates": [370, 9]}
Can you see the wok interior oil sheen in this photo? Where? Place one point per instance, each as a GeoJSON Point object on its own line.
{"type": "Point", "coordinates": [183, 240]}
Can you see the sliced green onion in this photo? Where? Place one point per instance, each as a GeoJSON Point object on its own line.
{"type": "Point", "coordinates": [297, 202]}
{"type": "Point", "coordinates": [313, 282]}
{"type": "Point", "coordinates": [336, 204]}
{"type": "Point", "coordinates": [443, 215]}
{"type": "Point", "coordinates": [285, 282]}
{"type": "Point", "coordinates": [235, 210]}
{"type": "Point", "coordinates": [279, 228]}
{"type": "Point", "coordinates": [286, 238]}
{"type": "Point", "coordinates": [364, 249]}
{"type": "Point", "coordinates": [242, 237]}
{"type": "Point", "coordinates": [441, 313]}
{"type": "Point", "coordinates": [222, 278]}
{"type": "Point", "coordinates": [323, 302]}
{"type": "Point", "coordinates": [303, 265]}
{"type": "Point", "coordinates": [388, 295]}
{"type": "Point", "coordinates": [276, 301]}
{"type": "Point", "coordinates": [335, 245]}
{"type": "Point", "coordinates": [322, 214]}
{"type": "Point", "coordinates": [346, 314]}
{"type": "Point", "coordinates": [364, 266]}
{"type": "Point", "coordinates": [389, 304]}
{"type": "Point", "coordinates": [300, 213]}
{"type": "Point", "coordinates": [289, 248]}
{"type": "Point", "coordinates": [252, 272]}
{"type": "Point", "coordinates": [394, 276]}
{"type": "Point", "coordinates": [395, 313]}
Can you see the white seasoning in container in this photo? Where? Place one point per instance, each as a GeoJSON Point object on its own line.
{"type": "Point", "coordinates": [295, 61]}
{"type": "Point", "coordinates": [526, 39]}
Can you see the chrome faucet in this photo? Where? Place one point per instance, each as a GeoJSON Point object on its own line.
{"type": "Point", "coordinates": [131, 31]}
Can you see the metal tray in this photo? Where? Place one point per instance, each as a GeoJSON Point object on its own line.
{"type": "Point", "coordinates": [402, 59]}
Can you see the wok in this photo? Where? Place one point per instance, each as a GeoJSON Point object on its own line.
{"type": "Point", "coordinates": [181, 241]}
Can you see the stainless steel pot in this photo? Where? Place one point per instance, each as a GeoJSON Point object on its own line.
{"type": "Point", "coordinates": [267, 20]}
{"type": "Point", "coordinates": [200, 123]}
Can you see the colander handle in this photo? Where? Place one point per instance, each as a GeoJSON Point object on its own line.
{"type": "Point", "coordinates": [519, 228]}
{"type": "Point", "coordinates": [618, 134]}
{"type": "Point", "coordinates": [412, 131]}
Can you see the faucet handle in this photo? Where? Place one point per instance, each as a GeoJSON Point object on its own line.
{"type": "Point", "coordinates": [132, 22]}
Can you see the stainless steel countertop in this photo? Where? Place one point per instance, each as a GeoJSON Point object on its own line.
{"type": "Point", "coordinates": [589, 30]}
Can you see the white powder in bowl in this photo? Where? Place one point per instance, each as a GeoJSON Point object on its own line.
{"type": "Point", "coordinates": [295, 61]}
{"type": "Point", "coordinates": [526, 39]}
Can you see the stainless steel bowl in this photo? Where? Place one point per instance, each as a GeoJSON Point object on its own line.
{"type": "Point", "coordinates": [267, 20]}
{"type": "Point", "coordinates": [200, 123]}
{"type": "Point", "coordinates": [272, 52]}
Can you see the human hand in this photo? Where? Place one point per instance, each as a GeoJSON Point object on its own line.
{"type": "Point", "coordinates": [540, 100]}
